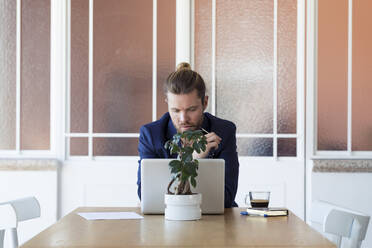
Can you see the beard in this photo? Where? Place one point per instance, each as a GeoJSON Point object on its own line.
{"type": "Point", "coordinates": [181, 127]}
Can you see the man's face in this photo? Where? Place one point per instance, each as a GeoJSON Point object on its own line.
{"type": "Point", "coordinates": [186, 110]}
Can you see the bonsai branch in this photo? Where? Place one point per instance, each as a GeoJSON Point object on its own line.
{"type": "Point", "coordinates": [183, 187]}
{"type": "Point", "coordinates": [185, 166]}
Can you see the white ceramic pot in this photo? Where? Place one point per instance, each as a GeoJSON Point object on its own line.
{"type": "Point", "coordinates": [182, 207]}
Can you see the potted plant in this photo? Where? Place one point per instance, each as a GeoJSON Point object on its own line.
{"type": "Point", "coordinates": [181, 203]}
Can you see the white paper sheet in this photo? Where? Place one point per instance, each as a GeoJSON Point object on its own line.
{"type": "Point", "coordinates": [110, 215]}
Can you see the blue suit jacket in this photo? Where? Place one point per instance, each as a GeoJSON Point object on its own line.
{"type": "Point", "coordinates": [154, 135]}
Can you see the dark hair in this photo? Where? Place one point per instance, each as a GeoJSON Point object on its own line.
{"type": "Point", "coordinates": [184, 80]}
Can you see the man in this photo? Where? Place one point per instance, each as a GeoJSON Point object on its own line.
{"type": "Point", "coordinates": [185, 95]}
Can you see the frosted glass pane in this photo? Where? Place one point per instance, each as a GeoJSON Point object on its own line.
{"type": "Point", "coordinates": [287, 65]}
{"type": "Point", "coordinates": [255, 147]}
{"type": "Point", "coordinates": [362, 78]}
{"type": "Point", "coordinates": [166, 50]}
{"type": "Point", "coordinates": [244, 64]}
{"type": "Point", "coordinates": [7, 74]}
{"type": "Point", "coordinates": [115, 146]}
{"type": "Point", "coordinates": [79, 65]}
{"type": "Point", "coordinates": [78, 146]}
{"type": "Point", "coordinates": [203, 44]}
{"type": "Point", "coordinates": [287, 148]}
{"type": "Point", "coordinates": [332, 75]}
{"type": "Point", "coordinates": [122, 65]}
{"type": "Point", "coordinates": [35, 75]}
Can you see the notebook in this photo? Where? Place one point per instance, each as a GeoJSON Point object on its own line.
{"type": "Point", "coordinates": [268, 211]}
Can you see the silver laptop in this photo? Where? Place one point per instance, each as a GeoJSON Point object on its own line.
{"type": "Point", "coordinates": [210, 182]}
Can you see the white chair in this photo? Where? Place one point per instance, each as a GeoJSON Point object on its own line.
{"type": "Point", "coordinates": [347, 227]}
{"type": "Point", "coordinates": [13, 212]}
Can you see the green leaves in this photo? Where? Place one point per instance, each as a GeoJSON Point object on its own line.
{"type": "Point", "coordinates": [174, 149]}
{"type": "Point", "coordinates": [184, 144]}
{"type": "Point", "coordinates": [176, 166]}
{"type": "Point", "coordinates": [193, 182]}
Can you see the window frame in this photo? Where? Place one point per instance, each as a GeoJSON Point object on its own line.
{"type": "Point", "coordinates": [311, 89]}
{"type": "Point", "coordinates": [300, 102]}
{"type": "Point", "coordinates": [55, 13]}
{"type": "Point", "coordinates": [60, 85]}
{"type": "Point", "coordinates": [67, 113]}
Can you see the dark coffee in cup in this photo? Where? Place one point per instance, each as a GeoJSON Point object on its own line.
{"type": "Point", "coordinates": [258, 203]}
{"type": "Point", "coordinates": [258, 199]}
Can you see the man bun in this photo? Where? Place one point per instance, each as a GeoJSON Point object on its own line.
{"type": "Point", "coordinates": [183, 66]}
{"type": "Point", "coordinates": [183, 81]}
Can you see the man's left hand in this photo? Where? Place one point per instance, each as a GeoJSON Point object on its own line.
{"type": "Point", "coordinates": [213, 140]}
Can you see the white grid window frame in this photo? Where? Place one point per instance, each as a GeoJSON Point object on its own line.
{"type": "Point", "coordinates": [300, 128]}
{"type": "Point", "coordinates": [90, 135]}
{"type": "Point", "coordinates": [311, 88]}
{"type": "Point", "coordinates": [184, 55]}
{"type": "Point", "coordinates": [60, 83]}
{"type": "Point", "coordinates": [52, 152]}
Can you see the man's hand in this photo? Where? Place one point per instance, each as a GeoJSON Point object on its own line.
{"type": "Point", "coordinates": [213, 140]}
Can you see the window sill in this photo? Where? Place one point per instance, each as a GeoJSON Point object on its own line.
{"type": "Point", "coordinates": [342, 165]}
{"type": "Point", "coordinates": [29, 164]}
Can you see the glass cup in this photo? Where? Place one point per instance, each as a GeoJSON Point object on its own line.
{"type": "Point", "coordinates": [257, 199]}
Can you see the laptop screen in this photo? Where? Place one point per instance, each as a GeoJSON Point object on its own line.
{"type": "Point", "coordinates": [210, 182]}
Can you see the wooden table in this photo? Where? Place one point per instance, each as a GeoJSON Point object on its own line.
{"type": "Point", "coordinates": [228, 230]}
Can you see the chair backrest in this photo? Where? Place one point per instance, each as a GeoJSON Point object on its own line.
{"type": "Point", "coordinates": [348, 226]}
{"type": "Point", "coordinates": [8, 220]}
{"type": "Point", "coordinates": [16, 211]}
